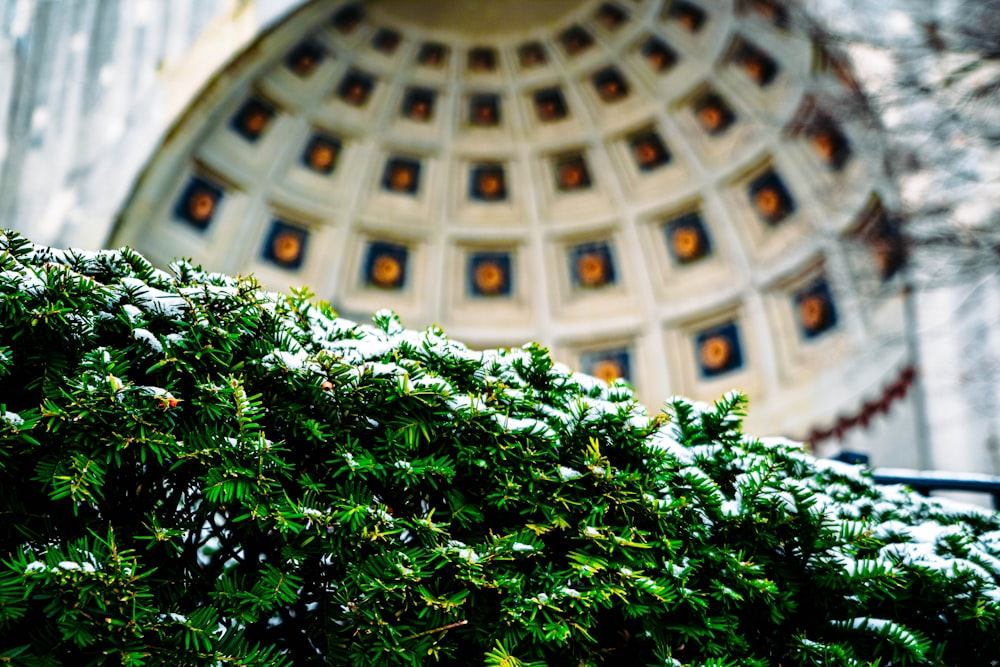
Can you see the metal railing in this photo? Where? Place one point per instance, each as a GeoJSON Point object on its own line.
{"type": "Point", "coordinates": [924, 482]}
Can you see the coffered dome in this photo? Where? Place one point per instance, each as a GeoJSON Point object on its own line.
{"type": "Point", "coordinates": [681, 193]}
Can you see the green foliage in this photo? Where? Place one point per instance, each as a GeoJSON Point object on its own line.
{"type": "Point", "coordinates": [193, 471]}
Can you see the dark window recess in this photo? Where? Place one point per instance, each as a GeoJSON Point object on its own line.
{"type": "Point", "coordinates": [483, 59]}
{"type": "Point", "coordinates": [253, 118]}
{"type": "Point", "coordinates": [713, 114]}
{"type": "Point", "coordinates": [608, 365]}
{"type": "Point", "coordinates": [756, 64]}
{"type": "Point", "coordinates": [286, 245]}
{"type": "Point", "coordinates": [488, 183]}
{"type": "Point", "coordinates": [531, 55]}
{"type": "Point", "coordinates": [305, 58]}
{"type": "Point", "coordinates": [484, 110]}
{"type": "Point", "coordinates": [658, 54]}
{"type": "Point", "coordinates": [770, 198]}
{"type": "Point", "coordinates": [386, 41]}
{"type": "Point", "coordinates": [829, 143]}
{"type": "Point", "coordinates": [348, 18]}
{"type": "Point", "coordinates": [687, 239]}
{"type": "Point", "coordinates": [489, 274]}
{"type": "Point", "coordinates": [814, 309]}
{"type": "Point", "coordinates": [355, 88]}
{"type": "Point", "coordinates": [199, 202]}
{"type": "Point", "coordinates": [385, 265]}
{"type": "Point", "coordinates": [418, 104]}
{"type": "Point", "coordinates": [321, 154]}
{"type": "Point", "coordinates": [611, 16]}
{"type": "Point", "coordinates": [401, 175]}
{"type": "Point", "coordinates": [571, 173]}
{"type": "Point", "coordinates": [550, 105]}
{"type": "Point", "coordinates": [887, 245]}
{"type": "Point", "coordinates": [575, 40]}
{"type": "Point", "coordinates": [718, 350]}
{"type": "Point", "coordinates": [772, 11]}
{"type": "Point", "coordinates": [432, 54]}
{"type": "Point", "coordinates": [691, 17]}
{"type": "Point", "coordinates": [610, 85]}
{"type": "Point", "coordinates": [648, 150]}
{"type": "Point", "coordinates": [591, 265]}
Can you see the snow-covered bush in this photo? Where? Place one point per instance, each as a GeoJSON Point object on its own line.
{"type": "Point", "coordinates": [196, 472]}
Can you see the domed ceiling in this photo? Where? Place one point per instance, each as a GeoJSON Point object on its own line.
{"type": "Point", "coordinates": [681, 193]}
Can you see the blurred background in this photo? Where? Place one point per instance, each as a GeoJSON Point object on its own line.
{"type": "Point", "coordinates": [796, 199]}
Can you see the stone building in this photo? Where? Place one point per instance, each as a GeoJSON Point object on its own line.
{"type": "Point", "coordinates": [795, 199]}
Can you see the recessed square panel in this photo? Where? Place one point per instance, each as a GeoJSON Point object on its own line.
{"type": "Point", "coordinates": [348, 18]}
{"type": "Point", "coordinates": [611, 16]}
{"type": "Point", "coordinates": [575, 40]}
{"type": "Point", "coordinates": [401, 175]}
{"type": "Point", "coordinates": [689, 16]}
{"type": "Point", "coordinates": [286, 244]}
{"type": "Point", "coordinates": [489, 274]}
{"type": "Point", "coordinates": [198, 202]}
{"type": "Point", "coordinates": [321, 153]}
{"type": "Point", "coordinates": [888, 248]}
{"type": "Point", "coordinates": [591, 265]}
{"type": "Point", "coordinates": [385, 265]}
{"type": "Point", "coordinates": [487, 183]}
{"type": "Point", "coordinates": [355, 88]}
{"type": "Point", "coordinates": [484, 110]}
{"type": "Point", "coordinates": [757, 65]}
{"type": "Point", "coordinates": [571, 173]}
{"type": "Point", "coordinates": [386, 41]}
{"type": "Point", "coordinates": [483, 59]}
{"type": "Point", "coordinates": [814, 309]}
{"type": "Point", "coordinates": [770, 199]}
{"type": "Point", "coordinates": [418, 104]}
{"type": "Point", "coordinates": [771, 10]}
{"type": "Point", "coordinates": [718, 350]}
{"type": "Point", "coordinates": [252, 119]}
{"type": "Point", "coordinates": [608, 365]}
{"type": "Point", "coordinates": [658, 54]}
{"type": "Point", "coordinates": [687, 239]}
{"type": "Point", "coordinates": [432, 54]}
{"type": "Point", "coordinates": [713, 114]}
{"type": "Point", "coordinates": [531, 55]}
{"type": "Point", "coordinates": [610, 84]}
{"type": "Point", "coordinates": [550, 105]}
{"type": "Point", "coordinates": [648, 150]}
{"type": "Point", "coordinates": [305, 58]}
{"type": "Point", "coordinates": [829, 143]}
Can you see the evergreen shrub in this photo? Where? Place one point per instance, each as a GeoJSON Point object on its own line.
{"type": "Point", "coordinates": [196, 472]}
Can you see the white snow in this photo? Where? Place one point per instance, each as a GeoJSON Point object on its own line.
{"type": "Point", "coordinates": [73, 565]}
{"type": "Point", "coordinates": [464, 403]}
{"type": "Point", "coordinates": [525, 425]}
{"type": "Point", "coordinates": [131, 312]}
{"type": "Point", "coordinates": [155, 300]}
{"type": "Point", "coordinates": [289, 360]}
{"type": "Point", "coordinates": [379, 369]}
{"type": "Point", "coordinates": [13, 418]}
{"type": "Point", "coordinates": [147, 337]}
{"type": "Point", "coordinates": [667, 439]}
{"type": "Point", "coordinates": [567, 473]}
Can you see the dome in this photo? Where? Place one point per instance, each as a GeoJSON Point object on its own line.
{"type": "Point", "coordinates": [685, 194]}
